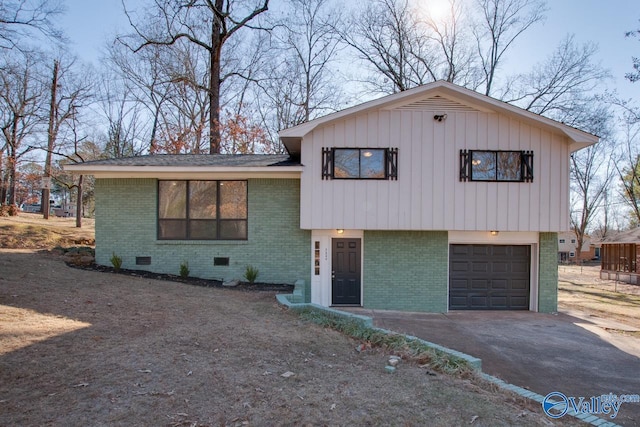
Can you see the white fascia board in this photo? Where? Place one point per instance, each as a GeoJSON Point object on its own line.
{"type": "Point", "coordinates": [174, 172]}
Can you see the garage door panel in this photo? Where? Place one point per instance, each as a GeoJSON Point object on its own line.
{"type": "Point", "coordinates": [480, 284]}
{"type": "Point", "coordinates": [458, 302]}
{"type": "Point", "coordinates": [478, 301]}
{"type": "Point", "coordinates": [459, 266]}
{"type": "Point", "coordinates": [520, 267]}
{"type": "Point", "coordinates": [479, 250]}
{"type": "Point", "coordinates": [458, 284]}
{"type": "Point", "coordinates": [502, 284]}
{"type": "Point", "coordinates": [499, 302]}
{"type": "Point", "coordinates": [499, 267]}
{"type": "Point", "coordinates": [521, 285]}
{"type": "Point", "coordinates": [500, 250]}
{"type": "Point", "coordinates": [520, 251]}
{"type": "Point", "coordinates": [460, 250]}
{"type": "Point", "coordinates": [489, 277]}
{"type": "Point", "coordinates": [519, 303]}
{"type": "Point", "coordinates": [480, 267]}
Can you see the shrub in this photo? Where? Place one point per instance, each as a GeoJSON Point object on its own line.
{"type": "Point", "coordinates": [9, 210]}
{"type": "Point", "coordinates": [116, 261]}
{"type": "Point", "coordinates": [184, 269]}
{"type": "Point", "coordinates": [251, 274]}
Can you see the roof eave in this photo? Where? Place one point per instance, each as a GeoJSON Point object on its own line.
{"type": "Point", "coordinates": [577, 139]}
{"type": "Point", "coordinates": [210, 172]}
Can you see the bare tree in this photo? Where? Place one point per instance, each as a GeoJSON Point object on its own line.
{"type": "Point", "coordinates": [69, 92]}
{"type": "Point", "coordinates": [590, 178]}
{"type": "Point", "coordinates": [301, 81]}
{"type": "Point", "coordinates": [147, 79]}
{"type": "Point", "coordinates": [77, 149]}
{"type": "Point", "coordinates": [21, 18]}
{"type": "Point", "coordinates": [208, 24]}
{"type": "Point", "coordinates": [21, 98]}
{"type": "Point", "coordinates": [562, 85]}
{"type": "Point", "coordinates": [591, 168]}
{"type": "Point", "coordinates": [389, 40]}
{"type": "Point", "coordinates": [627, 164]}
{"type": "Point", "coordinates": [127, 131]}
{"type": "Point", "coordinates": [311, 43]}
{"type": "Point", "coordinates": [635, 75]}
{"type": "Point", "coordinates": [456, 59]}
{"type": "Point", "coordinates": [501, 22]}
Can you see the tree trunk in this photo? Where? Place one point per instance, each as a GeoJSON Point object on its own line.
{"type": "Point", "coordinates": [46, 188]}
{"type": "Point", "coordinates": [12, 179]}
{"type": "Point", "coordinates": [79, 203]}
{"type": "Point", "coordinates": [3, 181]}
{"type": "Point", "coordinates": [214, 88]}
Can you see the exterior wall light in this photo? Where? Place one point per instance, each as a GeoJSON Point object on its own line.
{"type": "Point", "coordinates": [440, 117]}
{"type": "Point", "coordinates": [340, 231]}
{"type": "Point", "coordinates": [494, 232]}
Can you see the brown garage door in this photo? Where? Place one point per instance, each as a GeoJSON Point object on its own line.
{"type": "Point", "coordinates": [489, 277]}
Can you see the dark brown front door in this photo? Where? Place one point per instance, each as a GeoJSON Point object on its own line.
{"type": "Point", "coordinates": [345, 266]}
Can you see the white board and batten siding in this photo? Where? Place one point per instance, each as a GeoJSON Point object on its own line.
{"type": "Point", "coordinates": [428, 194]}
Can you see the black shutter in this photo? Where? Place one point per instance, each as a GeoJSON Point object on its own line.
{"type": "Point", "coordinates": [465, 165]}
{"type": "Point", "coordinates": [327, 163]}
{"type": "Point", "coordinates": [392, 163]}
{"type": "Point", "coordinates": [527, 166]}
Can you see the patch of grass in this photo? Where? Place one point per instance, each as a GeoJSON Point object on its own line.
{"type": "Point", "coordinates": [412, 350]}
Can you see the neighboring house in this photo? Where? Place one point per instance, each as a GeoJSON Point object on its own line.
{"type": "Point", "coordinates": [621, 257]}
{"type": "Point", "coordinates": [568, 248]}
{"type": "Point", "coordinates": [433, 199]}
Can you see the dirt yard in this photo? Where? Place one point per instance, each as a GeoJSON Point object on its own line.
{"type": "Point", "coordinates": [580, 288]}
{"type": "Point", "coordinates": [81, 347]}
{"type": "Point", "coordinates": [31, 231]}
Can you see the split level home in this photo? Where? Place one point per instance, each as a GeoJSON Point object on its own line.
{"type": "Point", "coordinates": [568, 251]}
{"type": "Point", "coordinates": [433, 199]}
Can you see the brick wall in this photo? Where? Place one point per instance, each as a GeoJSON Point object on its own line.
{"type": "Point", "coordinates": [548, 273]}
{"type": "Point", "coordinates": [126, 224]}
{"type": "Point", "coordinates": [406, 270]}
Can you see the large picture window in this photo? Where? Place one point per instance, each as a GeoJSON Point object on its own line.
{"type": "Point", "coordinates": [202, 210]}
{"type": "Point", "coordinates": [359, 163]}
{"type": "Point", "coordinates": [505, 166]}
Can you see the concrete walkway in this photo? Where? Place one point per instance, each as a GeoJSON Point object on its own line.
{"type": "Point", "coordinates": [577, 356]}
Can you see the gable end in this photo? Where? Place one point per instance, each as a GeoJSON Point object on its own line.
{"type": "Point", "coordinates": [436, 103]}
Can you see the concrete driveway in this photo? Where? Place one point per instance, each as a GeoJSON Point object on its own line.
{"type": "Point", "coordinates": [577, 356]}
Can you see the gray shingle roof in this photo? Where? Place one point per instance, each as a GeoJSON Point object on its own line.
{"type": "Point", "coordinates": [629, 236]}
{"type": "Point", "coordinates": [196, 160]}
